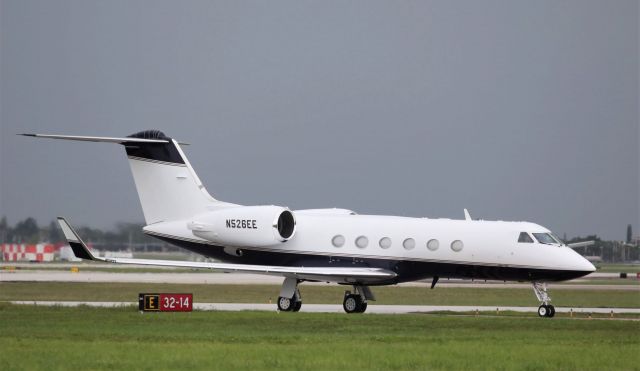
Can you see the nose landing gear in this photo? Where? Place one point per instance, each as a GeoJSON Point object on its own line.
{"type": "Point", "coordinates": [545, 309]}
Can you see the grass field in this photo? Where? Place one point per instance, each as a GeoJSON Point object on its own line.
{"type": "Point", "coordinates": [617, 268]}
{"type": "Point", "coordinates": [53, 338]}
{"type": "Point", "coordinates": [64, 291]}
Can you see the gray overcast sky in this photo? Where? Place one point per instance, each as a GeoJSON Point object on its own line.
{"type": "Point", "coordinates": [517, 110]}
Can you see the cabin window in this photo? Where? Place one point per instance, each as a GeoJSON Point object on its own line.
{"type": "Point", "coordinates": [409, 243]}
{"type": "Point", "coordinates": [525, 238]}
{"type": "Point", "coordinates": [362, 242]}
{"type": "Point", "coordinates": [457, 245]}
{"type": "Point", "coordinates": [385, 242]}
{"type": "Point", "coordinates": [338, 240]}
{"type": "Point", "coordinates": [433, 245]}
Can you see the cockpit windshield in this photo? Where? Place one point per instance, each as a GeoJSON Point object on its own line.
{"type": "Point", "coordinates": [557, 239]}
{"type": "Point", "coordinates": [546, 238]}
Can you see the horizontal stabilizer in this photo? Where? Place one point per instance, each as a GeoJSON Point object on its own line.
{"type": "Point", "coordinates": [97, 139]}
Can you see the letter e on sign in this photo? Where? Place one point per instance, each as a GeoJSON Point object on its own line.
{"type": "Point", "coordinates": [148, 302]}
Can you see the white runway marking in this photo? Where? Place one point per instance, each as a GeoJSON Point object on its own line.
{"type": "Point", "coordinates": [335, 308]}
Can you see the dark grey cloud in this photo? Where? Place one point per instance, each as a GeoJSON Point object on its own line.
{"type": "Point", "coordinates": [516, 110]}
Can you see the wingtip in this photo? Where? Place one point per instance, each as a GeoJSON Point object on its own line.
{"type": "Point", "coordinates": [27, 134]}
{"type": "Point", "coordinates": [67, 230]}
{"type": "Point", "coordinates": [80, 250]}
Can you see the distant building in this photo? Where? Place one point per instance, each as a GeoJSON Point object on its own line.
{"type": "Point", "coordinates": [22, 252]}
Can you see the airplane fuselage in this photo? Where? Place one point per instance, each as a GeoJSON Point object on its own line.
{"type": "Point", "coordinates": [413, 248]}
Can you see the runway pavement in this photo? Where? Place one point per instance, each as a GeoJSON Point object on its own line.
{"type": "Point", "coordinates": [257, 279]}
{"type": "Point", "coordinates": [335, 308]}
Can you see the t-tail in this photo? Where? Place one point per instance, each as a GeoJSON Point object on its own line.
{"type": "Point", "coordinates": [167, 185]}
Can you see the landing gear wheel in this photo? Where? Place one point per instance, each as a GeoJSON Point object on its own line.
{"type": "Point", "coordinates": [363, 308]}
{"type": "Point", "coordinates": [546, 309]}
{"type": "Point", "coordinates": [297, 305]}
{"type": "Point", "coordinates": [543, 311]}
{"type": "Point", "coordinates": [285, 304]}
{"type": "Point", "coordinates": [352, 303]}
{"type": "Point", "coordinates": [551, 311]}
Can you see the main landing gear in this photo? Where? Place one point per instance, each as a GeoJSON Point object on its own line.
{"type": "Point", "coordinates": [545, 309]}
{"type": "Point", "coordinates": [357, 303]}
{"type": "Point", "coordinates": [290, 304]}
{"type": "Point", "coordinates": [290, 299]}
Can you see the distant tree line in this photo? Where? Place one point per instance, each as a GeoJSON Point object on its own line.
{"type": "Point", "coordinates": [29, 232]}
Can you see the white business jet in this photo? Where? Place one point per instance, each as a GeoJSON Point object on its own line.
{"type": "Point", "coordinates": [332, 245]}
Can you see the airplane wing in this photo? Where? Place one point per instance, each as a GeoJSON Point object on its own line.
{"type": "Point", "coordinates": [581, 244]}
{"type": "Point", "coordinates": [332, 274]}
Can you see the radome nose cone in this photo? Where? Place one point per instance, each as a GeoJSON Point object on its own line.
{"type": "Point", "coordinates": [592, 268]}
{"type": "Point", "coordinates": [581, 264]}
{"type": "Point", "coordinates": [585, 265]}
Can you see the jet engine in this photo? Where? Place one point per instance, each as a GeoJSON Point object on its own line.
{"type": "Point", "coordinates": [245, 226]}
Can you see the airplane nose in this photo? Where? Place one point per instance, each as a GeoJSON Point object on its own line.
{"type": "Point", "coordinates": [590, 267]}
{"type": "Point", "coordinates": [580, 265]}
{"type": "Point", "coordinates": [583, 264]}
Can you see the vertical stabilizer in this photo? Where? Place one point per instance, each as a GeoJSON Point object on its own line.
{"type": "Point", "coordinates": [167, 185]}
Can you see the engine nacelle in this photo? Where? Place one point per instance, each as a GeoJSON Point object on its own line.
{"type": "Point", "coordinates": [245, 226]}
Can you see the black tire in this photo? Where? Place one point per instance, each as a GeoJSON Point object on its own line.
{"type": "Point", "coordinates": [363, 307]}
{"type": "Point", "coordinates": [285, 304]}
{"type": "Point", "coordinates": [543, 311]}
{"type": "Point", "coordinates": [552, 311]}
{"type": "Point", "coordinates": [351, 303]}
{"type": "Point", "coordinates": [297, 306]}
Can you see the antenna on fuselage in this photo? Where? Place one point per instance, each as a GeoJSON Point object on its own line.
{"type": "Point", "coordinates": [467, 216]}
